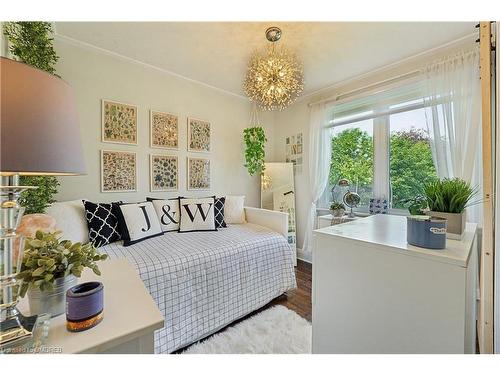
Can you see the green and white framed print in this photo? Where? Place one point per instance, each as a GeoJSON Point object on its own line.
{"type": "Point", "coordinates": [119, 122]}
{"type": "Point", "coordinates": [164, 130]}
{"type": "Point", "coordinates": [198, 135]}
{"type": "Point", "coordinates": [118, 171]}
{"type": "Point", "coordinates": [198, 174]}
{"type": "Point", "coordinates": [164, 172]}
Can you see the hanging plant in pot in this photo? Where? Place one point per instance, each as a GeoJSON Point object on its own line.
{"type": "Point", "coordinates": [50, 267]}
{"type": "Point", "coordinates": [448, 199]}
{"type": "Point", "coordinates": [255, 142]}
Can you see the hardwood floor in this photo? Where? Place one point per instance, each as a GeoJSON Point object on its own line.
{"type": "Point", "coordinates": [298, 300]}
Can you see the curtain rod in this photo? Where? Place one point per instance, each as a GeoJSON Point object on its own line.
{"type": "Point", "coordinates": [374, 85]}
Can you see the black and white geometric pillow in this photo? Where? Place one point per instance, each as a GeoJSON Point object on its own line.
{"type": "Point", "coordinates": [102, 221]}
{"type": "Point", "coordinates": [197, 214]}
{"type": "Point", "coordinates": [137, 222]}
{"type": "Point", "coordinates": [168, 213]}
{"type": "Point", "coordinates": [219, 212]}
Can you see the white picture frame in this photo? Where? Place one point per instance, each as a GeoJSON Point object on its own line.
{"type": "Point", "coordinates": [152, 144]}
{"type": "Point", "coordinates": [203, 149]}
{"type": "Point", "coordinates": [104, 136]}
{"type": "Point", "coordinates": [151, 174]}
{"type": "Point", "coordinates": [191, 180]}
{"type": "Point", "coordinates": [104, 188]}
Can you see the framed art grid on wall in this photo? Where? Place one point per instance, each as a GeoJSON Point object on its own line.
{"type": "Point", "coordinates": [198, 174]}
{"type": "Point", "coordinates": [198, 135]}
{"type": "Point", "coordinates": [163, 130]}
{"type": "Point", "coordinates": [164, 172]}
{"type": "Point", "coordinates": [118, 122]}
{"type": "Point", "coordinates": [118, 171]}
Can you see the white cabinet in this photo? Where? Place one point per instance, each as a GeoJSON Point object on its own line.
{"type": "Point", "coordinates": [374, 293]}
{"type": "Point", "coordinates": [327, 220]}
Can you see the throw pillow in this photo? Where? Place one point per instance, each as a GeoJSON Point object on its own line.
{"type": "Point", "coordinates": [234, 209]}
{"type": "Point", "coordinates": [102, 222]}
{"type": "Point", "coordinates": [168, 213]}
{"type": "Point", "coordinates": [138, 221]}
{"type": "Point", "coordinates": [219, 212]}
{"type": "Point", "coordinates": [70, 220]}
{"type": "Point", "coordinates": [197, 214]}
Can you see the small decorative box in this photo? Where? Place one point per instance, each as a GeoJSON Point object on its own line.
{"type": "Point", "coordinates": [84, 306]}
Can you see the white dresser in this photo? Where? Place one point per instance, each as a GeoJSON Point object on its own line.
{"type": "Point", "coordinates": [374, 293]}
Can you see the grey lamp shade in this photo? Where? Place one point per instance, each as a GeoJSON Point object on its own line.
{"type": "Point", "coordinates": [39, 130]}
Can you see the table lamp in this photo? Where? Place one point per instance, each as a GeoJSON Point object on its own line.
{"type": "Point", "coordinates": [39, 135]}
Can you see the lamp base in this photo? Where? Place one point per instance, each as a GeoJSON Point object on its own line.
{"type": "Point", "coordinates": [16, 330]}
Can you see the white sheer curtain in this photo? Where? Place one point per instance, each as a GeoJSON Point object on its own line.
{"type": "Point", "coordinates": [319, 165]}
{"type": "Point", "coordinates": [453, 100]}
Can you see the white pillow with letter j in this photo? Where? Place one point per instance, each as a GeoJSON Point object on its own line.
{"type": "Point", "coordinates": [197, 214]}
{"type": "Point", "coordinates": [138, 221]}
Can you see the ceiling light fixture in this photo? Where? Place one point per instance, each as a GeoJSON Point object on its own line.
{"type": "Point", "coordinates": [274, 78]}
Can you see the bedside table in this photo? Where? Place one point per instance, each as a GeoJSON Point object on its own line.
{"type": "Point", "coordinates": [130, 315]}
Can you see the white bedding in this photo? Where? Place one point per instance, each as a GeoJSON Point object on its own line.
{"type": "Point", "coordinates": [202, 281]}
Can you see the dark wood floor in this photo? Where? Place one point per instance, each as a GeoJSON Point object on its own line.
{"type": "Point", "coordinates": [298, 300]}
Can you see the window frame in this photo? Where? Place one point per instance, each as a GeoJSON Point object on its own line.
{"type": "Point", "coordinates": [381, 142]}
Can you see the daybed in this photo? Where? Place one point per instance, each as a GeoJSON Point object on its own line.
{"type": "Point", "coordinates": [203, 281]}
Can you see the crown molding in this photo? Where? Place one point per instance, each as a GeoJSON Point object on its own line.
{"type": "Point", "coordinates": [85, 45]}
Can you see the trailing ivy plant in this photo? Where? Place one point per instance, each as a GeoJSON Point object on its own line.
{"type": "Point", "coordinates": [255, 141]}
{"type": "Point", "coordinates": [31, 43]}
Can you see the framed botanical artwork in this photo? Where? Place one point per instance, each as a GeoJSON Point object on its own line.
{"type": "Point", "coordinates": [118, 171]}
{"type": "Point", "coordinates": [164, 130]}
{"type": "Point", "coordinates": [164, 172]}
{"type": "Point", "coordinates": [198, 174]}
{"type": "Point", "coordinates": [119, 122]}
{"type": "Point", "coordinates": [198, 135]}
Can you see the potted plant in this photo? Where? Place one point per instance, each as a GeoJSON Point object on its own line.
{"type": "Point", "coordinates": [423, 230]}
{"type": "Point", "coordinates": [448, 199]}
{"type": "Point", "coordinates": [337, 209]}
{"type": "Point", "coordinates": [50, 267]}
{"type": "Point", "coordinates": [417, 205]}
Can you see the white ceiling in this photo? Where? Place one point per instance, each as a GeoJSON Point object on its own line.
{"type": "Point", "coordinates": [216, 53]}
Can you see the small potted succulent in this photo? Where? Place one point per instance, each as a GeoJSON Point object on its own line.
{"type": "Point", "coordinates": [337, 209]}
{"type": "Point", "coordinates": [50, 267]}
{"type": "Point", "coordinates": [448, 198]}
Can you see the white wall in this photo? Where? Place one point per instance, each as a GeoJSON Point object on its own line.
{"type": "Point", "coordinates": [95, 75]}
{"type": "Point", "coordinates": [296, 119]}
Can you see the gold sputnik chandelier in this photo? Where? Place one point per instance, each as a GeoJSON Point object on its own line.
{"type": "Point", "coordinates": [274, 78]}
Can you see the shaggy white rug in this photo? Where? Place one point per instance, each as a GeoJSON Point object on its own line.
{"type": "Point", "coordinates": [276, 330]}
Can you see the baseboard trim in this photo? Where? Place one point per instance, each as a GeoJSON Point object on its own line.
{"type": "Point", "coordinates": [304, 256]}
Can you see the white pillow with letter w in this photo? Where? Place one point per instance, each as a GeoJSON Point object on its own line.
{"type": "Point", "coordinates": [197, 214]}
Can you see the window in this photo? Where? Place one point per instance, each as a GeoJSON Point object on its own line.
{"type": "Point", "coordinates": [352, 158]}
{"type": "Point", "coordinates": [410, 159]}
{"type": "Point", "coordinates": [381, 145]}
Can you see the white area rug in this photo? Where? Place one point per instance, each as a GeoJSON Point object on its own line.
{"type": "Point", "coordinates": [277, 330]}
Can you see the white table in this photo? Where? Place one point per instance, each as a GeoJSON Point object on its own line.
{"type": "Point", "coordinates": [326, 220]}
{"type": "Point", "coordinates": [130, 315]}
{"type": "Point", "coordinates": [375, 293]}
